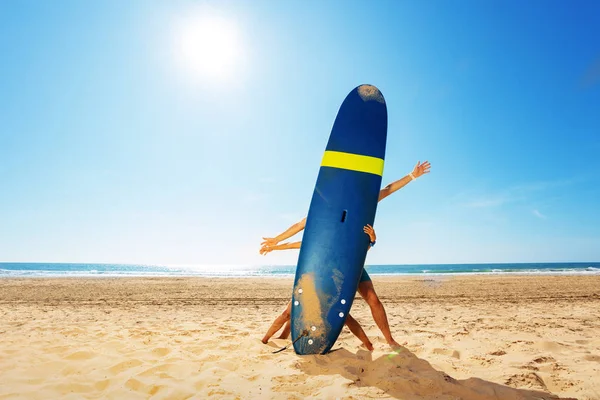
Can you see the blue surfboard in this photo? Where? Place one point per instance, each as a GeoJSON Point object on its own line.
{"type": "Point", "coordinates": [344, 200]}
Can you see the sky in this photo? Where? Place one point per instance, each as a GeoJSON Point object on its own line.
{"type": "Point", "coordinates": [183, 132]}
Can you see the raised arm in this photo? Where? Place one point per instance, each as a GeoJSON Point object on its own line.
{"type": "Point", "coordinates": [289, 232]}
{"type": "Point", "coordinates": [419, 170]}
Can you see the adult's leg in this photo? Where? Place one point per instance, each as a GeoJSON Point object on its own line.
{"type": "Point", "coordinates": [367, 291]}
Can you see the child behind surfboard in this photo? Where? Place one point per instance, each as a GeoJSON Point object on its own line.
{"type": "Point", "coordinates": [285, 316]}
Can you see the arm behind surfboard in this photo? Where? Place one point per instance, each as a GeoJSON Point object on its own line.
{"type": "Point", "coordinates": [284, 246]}
{"type": "Point", "coordinates": [418, 171]}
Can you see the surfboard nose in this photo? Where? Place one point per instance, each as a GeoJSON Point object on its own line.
{"type": "Point", "coordinates": [370, 93]}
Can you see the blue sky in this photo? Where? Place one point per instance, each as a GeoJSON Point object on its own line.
{"type": "Point", "coordinates": [118, 143]}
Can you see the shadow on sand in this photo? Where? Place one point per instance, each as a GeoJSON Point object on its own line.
{"type": "Point", "coordinates": [403, 375]}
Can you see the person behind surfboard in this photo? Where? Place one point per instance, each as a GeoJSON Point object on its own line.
{"type": "Point", "coordinates": [285, 316]}
{"type": "Point", "coordinates": [365, 287]}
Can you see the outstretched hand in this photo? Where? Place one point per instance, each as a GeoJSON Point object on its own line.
{"type": "Point", "coordinates": [266, 249]}
{"type": "Point", "coordinates": [421, 169]}
{"type": "Point", "coordinates": [269, 241]}
{"type": "Point", "coordinates": [368, 229]}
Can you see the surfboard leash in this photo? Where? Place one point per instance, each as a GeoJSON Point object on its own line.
{"type": "Point", "coordinates": [304, 333]}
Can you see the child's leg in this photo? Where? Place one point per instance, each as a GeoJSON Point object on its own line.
{"type": "Point", "coordinates": [285, 333]}
{"type": "Point", "coordinates": [358, 332]}
{"type": "Point", "coordinates": [278, 323]}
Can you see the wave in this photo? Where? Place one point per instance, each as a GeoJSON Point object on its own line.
{"type": "Point", "coordinates": [8, 270]}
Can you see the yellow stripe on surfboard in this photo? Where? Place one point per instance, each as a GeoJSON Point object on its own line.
{"type": "Point", "coordinates": [353, 162]}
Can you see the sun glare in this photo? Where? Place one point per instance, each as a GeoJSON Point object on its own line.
{"type": "Point", "coordinates": [208, 46]}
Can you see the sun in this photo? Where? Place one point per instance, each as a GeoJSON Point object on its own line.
{"type": "Point", "coordinates": [207, 46]}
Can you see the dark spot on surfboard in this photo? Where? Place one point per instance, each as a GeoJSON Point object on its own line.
{"type": "Point", "coordinates": [370, 93]}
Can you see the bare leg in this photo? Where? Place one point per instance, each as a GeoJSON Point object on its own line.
{"type": "Point", "coordinates": [352, 324]}
{"type": "Point", "coordinates": [285, 333]}
{"type": "Point", "coordinates": [278, 323]}
{"type": "Point", "coordinates": [358, 332]}
{"type": "Point", "coordinates": [367, 291]}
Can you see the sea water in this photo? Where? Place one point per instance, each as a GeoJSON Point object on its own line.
{"type": "Point", "coordinates": [235, 271]}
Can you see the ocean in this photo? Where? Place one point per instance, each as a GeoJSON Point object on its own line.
{"type": "Point", "coordinates": [8, 270]}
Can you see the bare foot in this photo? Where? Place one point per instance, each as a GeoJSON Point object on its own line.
{"type": "Point", "coordinates": [394, 345]}
{"type": "Point", "coordinates": [265, 340]}
{"type": "Point", "coordinates": [369, 346]}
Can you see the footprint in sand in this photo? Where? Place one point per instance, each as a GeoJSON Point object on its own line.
{"type": "Point", "coordinates": [220, 392]}
{"type": "Point", "coordinates": [199, 385]}
{"type": "Point", "coordinates": [228, 365]}
{"type": "Point", "coordinates": [592, 358]}
{"type": "Point", "coordinates": [58, 349]}
{"type": "Point", "coordinates": [210, 358]}
{"type": "Point", "coordinates": [161, 351]}
{"type": "Point", "coordinates": [102, 385]}
{"type": "Point", "coordinates": [197, 349]}
{"type": "Point", "coordinates": [529, 342]}
{"type": "Point", "coordinates": [529, 380]}
{"type": "Point", "coordinates": [115, 345]}
{"type": "Point", "coordinates": [34, 381]}
{"type": "Point", "coordinates": [71, 369]}
{"type": "Point", "coordinates": [552, 346]}
{"type": "Point", "coordinates": [80, 355]}
{"type": "Point", "coordinates": [541, 360]}
{"type": "Point", "coordinates": [446, 352]}
{"type": "Point", "coordinates": [484, 360]}
{"type": "Point", "coordinates": [530, 367]}
{"type": "Point", "coordinates": [138, 386]}
{"type": "Point", "coordinates": [295, 384]}
{"type": "Point", "coordinates": [70, 388]}
{"type": "Point", "coordinates": [159, 370]}
{"type": "Point", "coordinates": [252, 378]}
{"type": "Point", "coordinates": [124, 366]}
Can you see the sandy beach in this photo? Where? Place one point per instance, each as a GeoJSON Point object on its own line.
{"type": "Point", "coordinates": [469, 337]}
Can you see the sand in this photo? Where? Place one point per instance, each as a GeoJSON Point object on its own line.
{"type": "Point", "coordinates": [470, 337]}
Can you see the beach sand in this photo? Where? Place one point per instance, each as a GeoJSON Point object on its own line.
{"type": "Point", "coordinates": [469, 337]}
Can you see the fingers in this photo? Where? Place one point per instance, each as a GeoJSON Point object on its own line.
{"type": "Point", "coordinates": [264, 250]}
{"type": "Point", "coordinates": [268, 241]}
{"type": "Point", "coordinates": [426, 167]}
{"type": "Point", "coordinates": [422, 169]}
